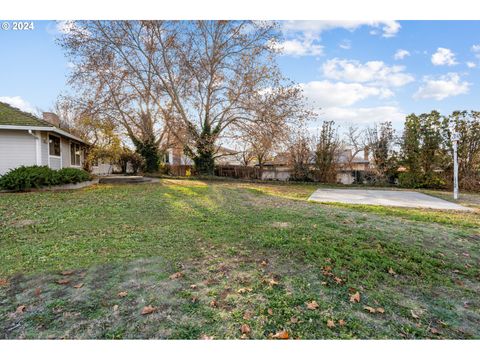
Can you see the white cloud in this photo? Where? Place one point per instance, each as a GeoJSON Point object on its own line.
{"type": "Point", "coordinates": [296, 47]}
{"type": "Point", "coordinates": [441, 87]}
{"type": "Point", "coordinates": [476, 50]}
{"type": "Point", "coordinates": [65, 26]}
{"type": "Point", "coordinates": [401, 54]}
{"type": "Point", "coordinates": [363, 116]}
{"type": "Point", "coordinates": [345, 44]}
{"type": "Point", "coordinates": [326, 93]}
{"type": "Point", "coordinates": [19, 103]}
{"type": "Point", "coordinates": [389, 28]}
{"type": "Point", "coordinates": [471, 64]}
{"type": "Point", "coordinates": [444, 56]}
{"type": "Point", "coordinates": [375, 72]}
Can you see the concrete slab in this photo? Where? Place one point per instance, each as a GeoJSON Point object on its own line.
{"type": "Point", "coordinates": [384, 198]}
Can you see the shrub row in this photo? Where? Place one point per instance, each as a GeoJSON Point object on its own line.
{"type": "Point", "coordinates": [28, 177]}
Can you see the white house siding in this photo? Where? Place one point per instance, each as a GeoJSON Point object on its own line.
{"type": "Point", "coordinates": [65, 151]}
{"type": "Point", "coordinates": [44, 147]}
{"type": "Point", "coordinates": [17, 148]}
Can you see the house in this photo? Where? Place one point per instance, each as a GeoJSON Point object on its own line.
{"type": "Point", "coordinates": [28, 140]}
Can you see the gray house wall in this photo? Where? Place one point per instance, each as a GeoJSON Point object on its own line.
{"type": "Point", "coordinates": [17, 148]}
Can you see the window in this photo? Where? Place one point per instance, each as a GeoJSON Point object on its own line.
{"type": "Point", "coordinates": [75, 154]}
{"type": "Point", "coordinates": [54, 145]}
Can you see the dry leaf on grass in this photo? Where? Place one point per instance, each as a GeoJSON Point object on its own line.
{"type": "Point", "coordinates": [193, 286]}
{"type": "Point", "coordinates": [148, 310]}
{"type": "Point", "coordinates": [122, 294]}
{"type": "Point", "coordinates": [63, 281]}
{"type": "Point", "coordinates": [370, 309]}
{"type": "Point", "coordinates": [414, 314]}
{"type": "Point", "coordinates": [264, 263]}
{"type": "Point", "coordinates": [78, 286]}
{"type": "Point", "coordinates": [206, 337]}
{"type": "Point", "coordinates": [355, 298]}
{"type": "Point", "coordinates": [293, 320]}
{"type": "Point", "coordinates": [245, 329]}
{"type": "Point", "coordinates": [281, 335]}
{"type": "Point", "coordinates": [213, 303]}
{"type": "Point", "coordinates": [341, 322]}
{"type": "Point", "coordinates": [435, 331]}
{"type": "Point", "coordinates": [270, 311]}
{"type": "Point", "coordinates": [338, 280]}
{"type": "Point", "coordinates": [272, 282]}
{"type": "Point", "coordinates": [37, 291]}
{"type": "Point", "coordinates": [115, 308]}
{"type": "Point", "coordinates": [380, 310]}
{"type": "Point", "coordinates": [3, 282]}
{"type": "Point", "coordinates": [67, 272]}
{"type": "Point", "coordinates": [244, 290]}
{"type": "Point", "coordinates": [312, 305]}
{"type": "Point", "coordinates": [247, 315]}
{"type": "Point", "coordinates": [177, 275]}
{"type": "Point", "coordinates": [391, 271]}
{"type": "Point", "coordinates": [330, 323]}
{"type": "Point", "coordinates": [21, 309]}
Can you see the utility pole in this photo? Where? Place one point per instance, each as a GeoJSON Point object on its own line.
{"type": "Point", "coordinates": [455, 140]}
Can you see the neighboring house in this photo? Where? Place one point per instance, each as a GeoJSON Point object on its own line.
{"type": "Point", "coordinates": [350, 169]}
{"type": "Point", "coordinates": [28, 140]}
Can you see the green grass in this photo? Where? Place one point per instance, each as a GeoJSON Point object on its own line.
{"type": "Point", "coordinates": [224, 237]}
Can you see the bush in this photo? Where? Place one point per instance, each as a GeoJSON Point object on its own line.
{"type": "Point", "coordinates": [73, 176]}
{"type": "Point", "coordinates": [28, 177]}
{"type": "Point", "coordinates": [417, 181]}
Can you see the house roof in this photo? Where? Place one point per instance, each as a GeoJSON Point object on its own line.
{"type": "Point", "coordinates": [12, 118]}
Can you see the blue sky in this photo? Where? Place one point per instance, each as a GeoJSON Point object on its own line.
{"type": "Point", "coordinates": [352, 71]}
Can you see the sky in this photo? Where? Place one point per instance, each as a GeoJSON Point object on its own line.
{"type": "Point", "coordinates": [352, 72]}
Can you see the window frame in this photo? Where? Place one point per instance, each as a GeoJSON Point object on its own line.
{"type": "Point", "coordinates": [76, 147]}
{"type": "Point", "coordinates": [50, 145]}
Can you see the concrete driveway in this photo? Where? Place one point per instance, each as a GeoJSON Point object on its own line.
{"type": "Point", "coordinates": [385, 198]}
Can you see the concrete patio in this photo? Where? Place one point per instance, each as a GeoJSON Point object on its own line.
{"type": "Point", "coordinates": [410, 199]}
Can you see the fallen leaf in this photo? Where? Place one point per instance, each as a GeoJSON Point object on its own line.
{"type": "Point", "coordinates": [270, 311]}
{"type": "Point", "coordinates": [193, 286]}
{"type": "Point", "coordinates": [194, 299]}
{"type": "Point", "coordinates": [327, 268]}
{"type": "Point", "coordinates": [78, 286]}
{"type": "Point", "coordinates": [67, 272]}
{"type": "Point", "coordinates": [115, 308]}
{"type": "Point", "coordinates": [21, 309]}
{"type": "Point", "coordinates": [338, 280]}
{"type": "Point", "coordinates": [3, 282]}
{"type": "Point", "coordinates": [206, 337]}
{"type": "Point", "coordinates": [82, 274]}
{"type": "Point", "coordinates": [244, 336]}
{"type": "Point", "coordinates": [38, 291]}
{"type": "Point", "coordinates": [245, 329]}
{"type": "Point", "coordinates": [391, 271]}
{"type": "Point", "coordinates": [281, 335]}
{"type": "Point", "coordinates": [244, 290]}
{"type": "Point", "coordinates": [122, 294]}
{"type": "Point", "coordinates": [435, 331]}
{"type": "Point", "coordinates": [380, 310]}
{"type": "Point", "coordinates": [148, 310]}
{"type": "Point", "coordinates": [247, 315]}
{"type": "Point", "coordinates": [213, 303]}
{"type": "Point", "coordinates": [330, 323]}
{"type": "Point", "coordinates": [355, 298]}
{"type": "Point", "coordinates": [324, 283]}
{"type": "Point", "coordinates": [177, 275]}
{"type": "Point", "coordinates": [341, 322]}
{"type": "Point", "coordinates": [370, 309]}
{"type": "Point", "coordinates": [414, 315]}
{"type": "Point", "coordinates": [312, 305]}
{"type": "Point", "coordinates": [272, 282]}
{"type": "Point", "coordinates": [264, 263]}
{"type": "Point", "coordinates": [63, 281]}
{"type": "Point", "coordinates": [293, 320]}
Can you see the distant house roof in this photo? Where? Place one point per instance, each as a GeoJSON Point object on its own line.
{"type": "Point", "coordinates": [15, 119]}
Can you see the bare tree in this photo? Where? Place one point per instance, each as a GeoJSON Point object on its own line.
{"type": "Point", "coordinates": [300, 155]}
{"type": "Point", "coordinates": [380, 140]}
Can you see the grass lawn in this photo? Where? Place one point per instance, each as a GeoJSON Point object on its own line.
{"type": "Point", "coordinates": [230, 260]}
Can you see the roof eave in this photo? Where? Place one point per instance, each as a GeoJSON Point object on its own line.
{"type": "Point", "coordinates": [43, 128]}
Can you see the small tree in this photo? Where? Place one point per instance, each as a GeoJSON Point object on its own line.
{"type": "Point", "coordinates": [300, 156]}
{"type": "Point", "coordinates": [380, 142]}
{"type": "Point", "coordinates": [327, 153]}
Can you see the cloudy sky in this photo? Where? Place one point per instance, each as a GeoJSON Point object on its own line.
{"type": "Point", "coordinates": [351, 71]}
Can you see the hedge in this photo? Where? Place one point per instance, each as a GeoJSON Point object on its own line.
{"type": "Point", "coordinates": [28, 177]}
